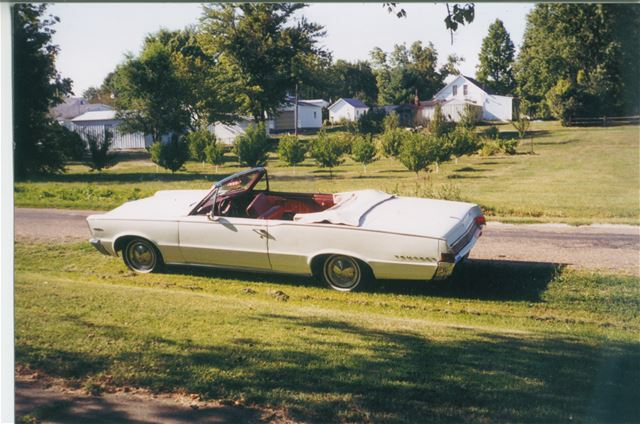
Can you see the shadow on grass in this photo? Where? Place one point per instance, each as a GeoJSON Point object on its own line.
{"type": "Point", "coordinates": [335, 371]}
{"type": "Point", "coordinates": [471, 279]}
{"type": "Point", "coordinates": [485, 280]}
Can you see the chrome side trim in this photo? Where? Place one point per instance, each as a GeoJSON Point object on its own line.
{"type": "Point", "coordinates": [99, 247]}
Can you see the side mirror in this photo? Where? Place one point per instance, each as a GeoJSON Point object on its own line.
{"type": "Point", "coordinates": [212, 217]}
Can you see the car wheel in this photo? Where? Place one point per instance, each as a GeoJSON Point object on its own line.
{"type": "Point", "coordinates": [142, 256]}
{"type": "Point", "coordinates": [344, 273]}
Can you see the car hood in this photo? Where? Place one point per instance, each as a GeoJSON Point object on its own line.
{"type": "Point", "coordinates": [422, 217]}
{"type": "Point", "coordinates": [165, 204]}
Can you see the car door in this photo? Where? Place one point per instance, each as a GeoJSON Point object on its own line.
{"type": "Point", "coordinates": [226, 242]}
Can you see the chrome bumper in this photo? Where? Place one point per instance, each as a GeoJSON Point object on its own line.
{"type": "Point", "coordinates": [443, 271]}
{"type": "Point", "coordinates": [99, 247]}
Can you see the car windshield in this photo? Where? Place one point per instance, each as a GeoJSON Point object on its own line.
{"type": "Point", "coordinates": [241, 182]}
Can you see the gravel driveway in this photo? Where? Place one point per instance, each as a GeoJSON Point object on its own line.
{"type": "Point", "coordinates": [608, 247]}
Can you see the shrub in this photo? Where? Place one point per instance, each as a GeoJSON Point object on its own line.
{"type": "Point", "coordinates": [438, 125]}
{"type": "Point", "coordinates": [508, 146]}
{"type": "Point", "coordinates": [363, 151]}
{"type": "Point", "coordinates": [327, 150]}
{"type": "Point", "coordinates": [72, 145]}
{"type": "Point", "coordinates": [99, 155]}
{"type": "Point", "coordinates": [391, 122]}
{"type": "Point", "coordinates": [469, 117]}
{"type": "Point", "coordinates": [371, 122]}
{"type": "Point", "coordinates": [170, 155]}
{"type": "Point", "coordinates": [391, 141]}
{"type": "Point", "coordinates": [252, 147]}
{"type": "Point", "coordinates": [522, 126]}
{"type": "Point", "coordinates": [215, 153]}
{"type": "Point", "coordinates": [416, 152]}
{"type": "Point", "coordinates": [463, 141]}
{"type": "Point", "coordinates": [489, 147]}
{"type": "Point", "coordinates": [491, 132]}
{"type": "Point", "coordinates": [199, 141]}
{"type": "Point", "coordinates": [291, 150]}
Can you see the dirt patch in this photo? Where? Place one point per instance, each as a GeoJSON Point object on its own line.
{"type": "Point", "coordinates": [44, 399]}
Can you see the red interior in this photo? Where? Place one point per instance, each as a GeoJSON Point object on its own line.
{"type": "Point", "coordinates": [285, 205]}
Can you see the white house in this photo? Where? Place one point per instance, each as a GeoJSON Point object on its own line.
{"type": "Point", "coordinates": [309, 116]}
{"type": "Point", "coordinates": [227, 133]}
{"type": "Point", "coordinates": [464, 90]}
{"type": "Point", "coordinates": [349, 109]}
{"type": "Point", "coordinates": [95, 123]}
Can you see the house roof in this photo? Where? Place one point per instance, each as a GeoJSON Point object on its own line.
{"type": "Point", "coordinates": [479, 84]}
{"type": "Point", "coordinates": [353, 102]}
{"type": "Point", "coordinates": [96, 115]}
{"type": "Point", "coordinates": [74, 106]}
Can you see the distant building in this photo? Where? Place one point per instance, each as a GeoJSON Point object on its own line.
{"type": "Point", "coordinates": [96, 122]}
{"type": "Point", "coordinates": [349, 109]}
{"type": "Point", "coordinates": [72, 107]}
{"type": "Point", "coordinates": [309, 116]}
{"type": "Point", "coordinates": [463, 91]}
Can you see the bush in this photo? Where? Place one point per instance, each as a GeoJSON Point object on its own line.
{"type": "Point", "coordinates": [508, 146]}
{"type": "Point", "coordinates": [252, 147]}
{"type": "Point", "coordinates": [291, 150]}
{"type": "Point", "coordinates": [72, 144]}
{"type": "Point", "coordinates": [198, 142]}
{"type": "Point", "coordinates": [215, 153]}
{"type": "Point", "coordinates": [170, 155]}
{"type": "Point", "coordinates": [438, 125]}
{"type": "Point", "coordinates": [489, 147]}
{"type": "Point", "coordinates": [416, 152]}
{"type": "Point", "coordinates": [363, 151]}
{"type": "Point", "coordinates": [391, 141]}
{"type": "Point", "coordinates": [99, 155]}
{"type": "Point", "coordinates": [463, 141]}
{"type": "Point", "coordinates": [491, 132]}
{"type": "Point", "coordinates": [469, 117]}
{"type": "Point", "coordinates": [391, 122]}
{"type": "Point", "coordinates": [371, 122]}
{"type": "Point", "coordinates": [327, 150]}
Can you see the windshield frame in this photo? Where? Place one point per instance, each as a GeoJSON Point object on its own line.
{"type": "Point", "coordinates": [213, 193]}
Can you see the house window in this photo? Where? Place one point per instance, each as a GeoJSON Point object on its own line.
{"type": "Point", "coordinates": [455, 90]}
{"type": "Point", "coordinates": [465, 89]}
{"type": "Point", "coordinates": [315, 114]}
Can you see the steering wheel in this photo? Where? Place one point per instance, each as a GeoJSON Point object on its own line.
{"type": "Point", "coordinates": [224, 207]}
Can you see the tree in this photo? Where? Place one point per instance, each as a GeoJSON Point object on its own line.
{"type": "Point", "coordinates": [371, 122]}
{"type": "Point", "coordinates": [37, 86]}
{"type": "Point", "coordinates": [391, 141]}
{"type": "Point", "coordinates": [363, 150]}
{"type": "Point", "coordinates": [327, 150]}
{"type": "Point", "coordinates": [261, 51]}
{"type": "Point", "coordinates": [456, 15]}
{"type": "Point", "coordinates": [469, 117]}
{"type": "Point", "coordinates": [291, 150]}
{"type": "Point", "coordinates": [151, 96]}
{"type": "Point", "coordinates": [462, 141]}
{"type": "Point", "coordinates": [585, 55]}
{"type": "Point", "coordinates": [170, 155]}
{"type": "Point", "coordinates": [522, 126]}
{"type": "Point", "coordinates": [215, 153]}
{"type": "Point", "coordinates": [438, 125]}
{"type": "Point", "coordinates": [495, 67]}
{"type": "Point", "coordinates": [415, 153]}
{"type": "Point", "coordinates": [252, 147]}
{"type": "Point", "coordinates": [100, 156]}
{"type": "Point", "coordinates": [199, 142]}
{"type": "Point", "coordinates": [350, 80]}
{"type": "Point", "coordinates": [407, 72]}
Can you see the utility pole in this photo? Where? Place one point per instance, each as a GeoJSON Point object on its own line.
{"type": "Point", "coordinates": [295, 114]}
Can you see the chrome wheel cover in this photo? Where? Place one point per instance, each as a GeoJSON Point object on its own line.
{"type": "Point", "coordinates": [141, 256]}
{"type": "Point", "coordinates": [342, 272]}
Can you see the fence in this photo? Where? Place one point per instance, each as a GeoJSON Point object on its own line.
{"type": "Point", "coordinates": [605, 121]}
{"type": "Point", "coordinates": [121, 140]}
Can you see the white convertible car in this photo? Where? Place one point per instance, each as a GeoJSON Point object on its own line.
{"type": "Point", "coordinates": [345, 238]}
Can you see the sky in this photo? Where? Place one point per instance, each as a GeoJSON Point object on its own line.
{"type": "Point", "coordinates": [94, 38]}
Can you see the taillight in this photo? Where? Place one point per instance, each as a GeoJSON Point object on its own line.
{"type": "Point", "coordinates": [480, 220]}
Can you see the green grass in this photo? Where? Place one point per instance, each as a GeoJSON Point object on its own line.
{"type": "Point", "coordinates": [499, 342]}
{"type": "Point", "coordinates": [577, 175]}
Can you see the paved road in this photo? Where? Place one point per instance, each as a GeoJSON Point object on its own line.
{"type": "Point", "coordinates": [609, 247]}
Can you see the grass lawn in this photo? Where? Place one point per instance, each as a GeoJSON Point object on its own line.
{"type": "Point", "coordinates": [577, 175]}
{"type": "Point", "coordinates": [499, 342]}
